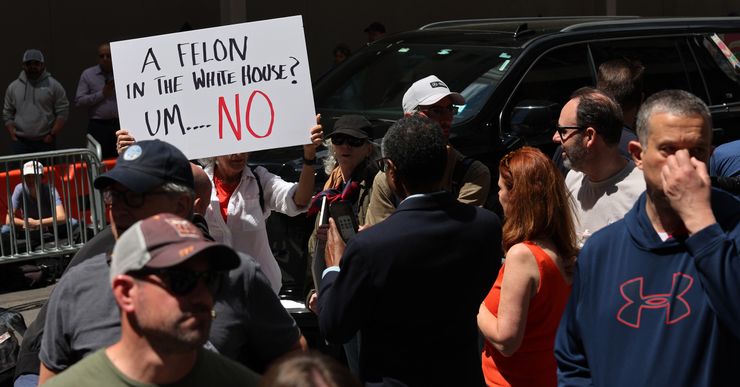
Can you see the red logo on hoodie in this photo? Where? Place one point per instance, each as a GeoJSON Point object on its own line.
{"type": "Point", "coordinates": [676, 307]}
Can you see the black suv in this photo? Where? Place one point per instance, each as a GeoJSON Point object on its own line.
{"type": "Point", "coordinates": [512, 71]}
{"type": "Point", "coordinates": [515, 74]}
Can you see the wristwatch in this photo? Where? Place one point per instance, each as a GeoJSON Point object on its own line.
{"type": "Point", "coordinates": [309, 162]}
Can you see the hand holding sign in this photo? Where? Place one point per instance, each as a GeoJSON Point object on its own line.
{"type": "Point", "coordinates": [317, 138]}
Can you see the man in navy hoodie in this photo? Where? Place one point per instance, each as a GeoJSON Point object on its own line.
{"type": "Point", "coordinates": [655, 295]}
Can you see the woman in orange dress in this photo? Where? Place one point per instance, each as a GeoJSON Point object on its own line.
{"type": "Point", "coordinates": [520, 315]}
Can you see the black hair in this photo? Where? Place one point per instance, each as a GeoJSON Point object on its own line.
{"type": "Point", "coordinates": [416, 145]}
{"type": "Point", "coordinates": [599, 111]}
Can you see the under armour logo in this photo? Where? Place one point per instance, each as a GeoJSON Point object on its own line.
{"type": "Point", "coordinates": [676, 308]}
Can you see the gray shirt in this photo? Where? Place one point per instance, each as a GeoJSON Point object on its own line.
{"type": "Point", "coordinates": [251, 326]}
{"type": "Point", "coordinates": [33, 106]}
{"type": "Point", "coordinates": [82, 315]}
{"type": "Point", "coordinates": [47, 198]}
{"type": "Point", "coordinates": [598, 204]}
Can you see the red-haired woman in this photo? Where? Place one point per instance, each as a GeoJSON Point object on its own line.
{"type": "Point", "coordinates": [520, 315]}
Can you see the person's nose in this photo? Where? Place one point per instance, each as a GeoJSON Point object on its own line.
{"type": "Point", "coordinates": [556, 138]}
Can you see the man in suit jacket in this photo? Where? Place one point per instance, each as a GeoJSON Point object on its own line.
{"type": "Point", "coordinates": [412, 284]}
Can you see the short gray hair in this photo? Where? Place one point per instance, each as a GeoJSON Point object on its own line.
{"type": "Point", "coordinates": [676, 102]}
{"type": "Point", "coordinates": [181, 189]}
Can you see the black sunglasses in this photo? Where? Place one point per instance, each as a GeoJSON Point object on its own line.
{"type": "Point", "coordinates": [132, 199]}
{"type": "Point", "coordinates": [561, 131]}
{"type": "Point", "coordinates": [441, 110]}
{"type": "Point", "coordinates": [351, 141]}
{"type": "Point", "coordinates": [181, 281]}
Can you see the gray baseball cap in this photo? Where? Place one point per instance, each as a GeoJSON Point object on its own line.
{"type": "Point", "coordinates": [166, 240]}
{"type": "Point", "coordinates": [33, 54]}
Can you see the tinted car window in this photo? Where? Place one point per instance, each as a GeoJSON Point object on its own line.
{"type": "Point", "coordinates": [553, 78]}
{"type": "Point", "coordinates": [667, 65]}
{"type": "Point", "coordinates": [374, 84]}
{"type": "Point", "coordinates": [717, 69]}
{"type": "Point", "coordinates": [556, 75]}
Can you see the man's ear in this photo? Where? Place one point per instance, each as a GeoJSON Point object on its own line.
{"type": "Point", "coordinates": [196, 205]}
{"type": "Point", "coordinates": [590, 135]}
{"type": "Point", "coordinates": [394, 180]}
{"type": "Point", "coordinates": [635, 149]}
{"type": "Point", "coordinates": [184, 206]}
{"type": "Point", "coordinates": [123, 291]}
{"type": "Point", "coordinates": [390, 170]}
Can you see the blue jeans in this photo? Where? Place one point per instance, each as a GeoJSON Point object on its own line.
{"type": "Point", "coordinates": [27, 380]}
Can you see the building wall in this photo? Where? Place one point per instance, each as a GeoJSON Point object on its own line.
{"type": "Point", "coordinates": [68, 32]}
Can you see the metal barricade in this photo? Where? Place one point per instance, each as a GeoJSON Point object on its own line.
{"type": "Point", "coordinates": [59, 191]}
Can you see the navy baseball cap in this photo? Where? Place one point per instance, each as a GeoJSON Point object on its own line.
{"type": "Point", "coordinates": [147, 165]}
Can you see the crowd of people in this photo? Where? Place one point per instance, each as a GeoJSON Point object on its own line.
{"type": "Point", "coordinates": [620, 271]}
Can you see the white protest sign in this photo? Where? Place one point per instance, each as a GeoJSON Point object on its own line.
{"type": "Point", "coordinates": [217, 91]}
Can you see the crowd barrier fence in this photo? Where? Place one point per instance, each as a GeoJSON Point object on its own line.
{"type": "Point", "coordinates": [71, 172]}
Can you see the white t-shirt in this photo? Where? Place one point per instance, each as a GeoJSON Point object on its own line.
{"type": "Point", "coordinates": [605, 202]}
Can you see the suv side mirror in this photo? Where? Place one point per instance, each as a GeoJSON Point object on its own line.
{"type": "Point", "coordinates": [533, 121]}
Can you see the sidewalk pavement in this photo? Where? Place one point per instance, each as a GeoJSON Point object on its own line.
{"type": "Point", "coordinates": [27, 302]}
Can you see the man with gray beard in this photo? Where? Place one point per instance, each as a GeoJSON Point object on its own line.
{"type": "Point", "coordinates": [604, 184]}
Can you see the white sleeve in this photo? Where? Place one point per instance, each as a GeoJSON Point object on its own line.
{"type": "Point", "coordinates": [278, 193]}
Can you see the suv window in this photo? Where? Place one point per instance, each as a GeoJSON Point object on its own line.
{"type": "Point", "coordinates": [719, 73]}
{"type": "Point", "coordinates": [668, 64]}
{"type": "Point", "coordinates": [377, 88]}
{"type": "Point", "coordinates": [556, 75]}
{"type": "Point", "coordinates": [553, 78]}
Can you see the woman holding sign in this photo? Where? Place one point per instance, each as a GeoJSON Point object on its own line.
{"type": "Point", "coordinates": [242, 199]}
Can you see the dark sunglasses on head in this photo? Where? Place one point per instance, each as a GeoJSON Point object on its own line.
{"type": "Point", "coordinates": [182, 281]}
{"type": "Point", "coordinates": [351, 141]}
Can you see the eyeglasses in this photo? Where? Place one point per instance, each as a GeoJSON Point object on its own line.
{"type": "Point", "coordinates": [440, 110]}
{"type": "Point", "coordinates": [382, 163]}
{"type": "Point", "coordinates": [181, 281]}
{"type": "Point", "coordinates": [349, 140]}
{"type": "Point", "coordinates": [561, 131]}
{"type": "Point", "coordinates": [130, 198]}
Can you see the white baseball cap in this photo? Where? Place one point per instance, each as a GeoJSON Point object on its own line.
{"type": "Point", "coordinates": [428, 91]}
{"type": "Point", "coordinates": [32, 168]}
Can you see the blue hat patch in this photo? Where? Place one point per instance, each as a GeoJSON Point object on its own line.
{"type": "Point", "coordinates": [132, 153]}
